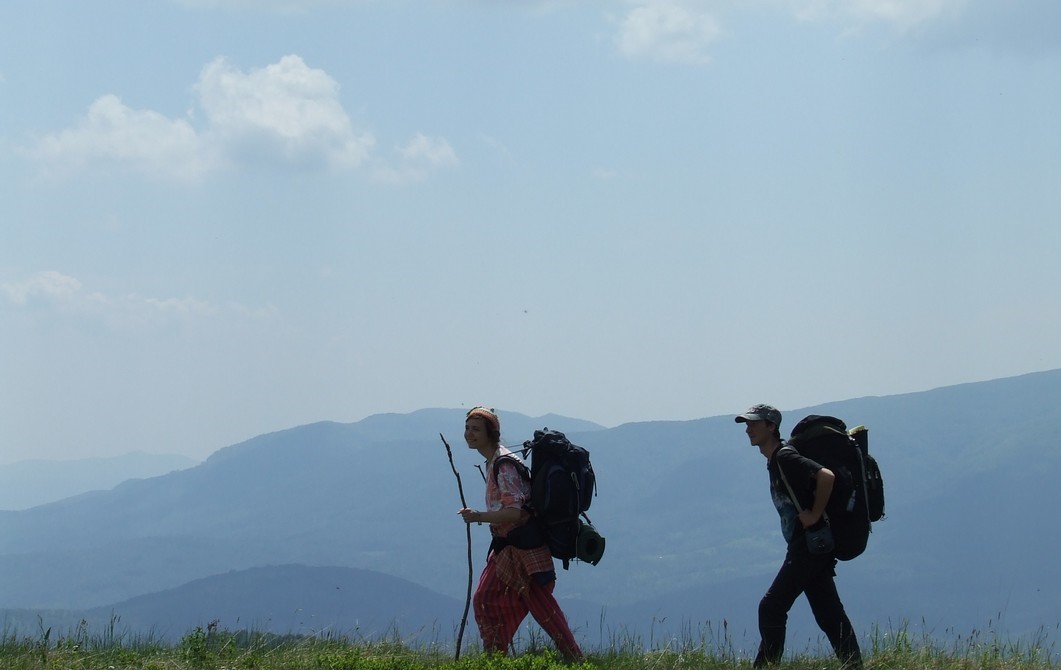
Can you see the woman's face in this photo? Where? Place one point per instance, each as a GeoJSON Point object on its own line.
{"type": "Point", "coordinates": [475, 433]}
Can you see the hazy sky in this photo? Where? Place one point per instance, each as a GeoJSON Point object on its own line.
{"type": "Point", "coordinates": [220, 218]}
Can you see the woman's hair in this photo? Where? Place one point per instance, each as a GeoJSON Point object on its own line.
{"type": "Point", "coordinates": [489, 417]}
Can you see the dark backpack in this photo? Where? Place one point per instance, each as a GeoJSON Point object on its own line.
{"type": "Point", "coordinates": [857, 499]}
{"type": "Point", "coordinates": [562, 488]}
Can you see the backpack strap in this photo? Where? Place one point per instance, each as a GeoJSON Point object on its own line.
{"type": "Point", "coordinates": [781, 471]}
{"type": "Point", "coordinates": [520, 467]}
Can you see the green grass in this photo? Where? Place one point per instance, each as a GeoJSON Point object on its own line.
{"type": "Point", "coordinates": [216, 649]}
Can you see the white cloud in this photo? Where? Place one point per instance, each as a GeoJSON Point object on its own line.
{"type": "Point", "coordinates": [667, 31]}
{"type": "Point", "coordinates": [278, 6]}
{"type": "Point", "coordinates": [62, 294]}
{"type": "Point", "coordinates": [683, 31]}
{"type": "Point", "coordinates": [419, 157]}
{"type": "Point", "coordinates": [285, 114]}
{"type": "Point", "coordinates": [112, 132]}
{"type": "Point", "coordinates": [286, 110]}
{"type": "Point", "coordinates": [434, 152]}
{"type": "Point", "coordinates": [903, 14]}
{"type": "Point", "coordinates": [44, 286]}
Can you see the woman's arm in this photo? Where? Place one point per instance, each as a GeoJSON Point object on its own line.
{"type": "Point", "coordinates": [501, 516]}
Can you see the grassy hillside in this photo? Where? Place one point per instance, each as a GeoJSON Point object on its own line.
{"type": "Point", "coordinates": [213, 648]}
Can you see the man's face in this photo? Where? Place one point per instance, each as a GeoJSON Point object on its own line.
{"type": "Point", "coordinates": [759, 432]}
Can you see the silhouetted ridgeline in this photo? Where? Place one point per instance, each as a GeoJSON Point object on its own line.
{"type": "Point", "coordinates": [26, 484]}
{"type": "Point", "coordinates": [970, 541]}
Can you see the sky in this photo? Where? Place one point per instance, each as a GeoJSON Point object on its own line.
{"type": "Point", "coordinates": [222, 218]}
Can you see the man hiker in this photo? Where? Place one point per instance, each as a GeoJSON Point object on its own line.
{"type": "Point", "coordinates": [515, 581]}
{"type": "Point", "coordinates": [803, 571]}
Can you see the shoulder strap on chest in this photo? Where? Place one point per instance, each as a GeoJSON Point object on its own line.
{"type": "Point", "coordinates": [520, 467]}
{"type": "Point", "coordinates": [781, 471]}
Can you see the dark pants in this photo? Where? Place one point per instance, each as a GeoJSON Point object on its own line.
{"type": "Point", "coordinates": [812, 575]}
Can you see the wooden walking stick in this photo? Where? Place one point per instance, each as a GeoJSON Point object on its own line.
{"type": "Point", "coordinates": [468, 532]}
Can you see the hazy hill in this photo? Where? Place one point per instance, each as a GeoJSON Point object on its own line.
{"type": "Point", "coordinates": [970, 541]}
{"type": "Point", "coordinates": [289, 598]}
{"type": "Point", "coordinates": [359, 495]}
{"type": "Point", "coordinates": [24, 484]}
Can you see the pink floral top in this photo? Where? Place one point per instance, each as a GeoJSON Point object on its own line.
{"type": "Point", "coordinates": [508, 491]}
{"type": "Point", "coordinates": [514, 566]}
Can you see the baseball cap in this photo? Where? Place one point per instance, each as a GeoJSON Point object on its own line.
{"type": "Point", "coordinates": [760, 413]}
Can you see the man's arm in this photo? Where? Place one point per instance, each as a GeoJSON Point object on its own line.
{"type": "Point", "coordinates": [823, 487]}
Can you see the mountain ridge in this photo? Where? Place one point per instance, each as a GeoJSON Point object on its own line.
{"type": "Point", "coordinates": [33, 482]}
{"type": "Point", "coordinates": [678, 500]}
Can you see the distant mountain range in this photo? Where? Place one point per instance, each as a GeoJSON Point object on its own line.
{"type": "Point", "coordinates": [354, 526]}
{"type": "Point", "coordinates": [26, 484]}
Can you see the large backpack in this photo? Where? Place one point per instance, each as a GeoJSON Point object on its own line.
{"type": "Point", "coordinates": [857, 499]}
{"type": "Point", "coordinates": [562, 488]}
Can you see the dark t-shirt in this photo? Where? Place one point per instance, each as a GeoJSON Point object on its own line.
{"type": "Point", "coordinates": [801, 474]}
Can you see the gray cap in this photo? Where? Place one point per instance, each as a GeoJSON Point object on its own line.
{"type": "Point", "coordinates": [761, 413]}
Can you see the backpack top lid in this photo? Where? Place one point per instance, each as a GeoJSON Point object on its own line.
{"type": "Point", "coordinates": [815, 425]}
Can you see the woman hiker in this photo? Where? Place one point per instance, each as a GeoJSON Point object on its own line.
{"type": "Point", "coordinates": [515, 581]}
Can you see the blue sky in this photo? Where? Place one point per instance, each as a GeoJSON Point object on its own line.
{"type": "Point", "coordinates": [220, 218]}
